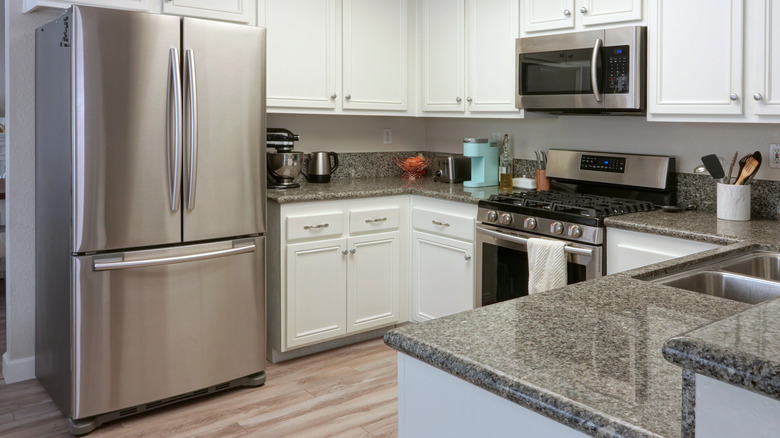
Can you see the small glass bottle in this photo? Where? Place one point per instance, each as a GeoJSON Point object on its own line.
{"type": "Point", "coordinates": [505, 174]}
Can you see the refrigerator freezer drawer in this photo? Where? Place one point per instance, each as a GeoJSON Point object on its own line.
{"type": "Point", "coordinates": [158, 323]}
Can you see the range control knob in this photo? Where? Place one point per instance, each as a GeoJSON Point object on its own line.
{"type": "Point", "coordinates": [575, 231]}
{"type": "Point", "coordinates": [529, 223]}
{"type": "Point", "coordinates": [556, 228]}
{"type": "Point", "coordinates": [491, 216]}
{"type": "Point", "coordinates": [505, 219]}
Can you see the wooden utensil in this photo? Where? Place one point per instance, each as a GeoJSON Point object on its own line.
{"type": "Point", "coordinates": [751, 165]}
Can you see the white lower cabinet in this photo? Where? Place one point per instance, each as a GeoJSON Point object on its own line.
{"type": "Point", "coordinates": [630, 249]}
{"type": "Point", "coordinates": [373, 272]}
{"type": "Point", "coordinates": [443, 262]}
{"type": "Point", "coordinates": [442, 276]}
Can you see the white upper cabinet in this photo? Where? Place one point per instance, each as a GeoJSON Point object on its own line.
{"type": "Point", "coordinates": [374, 63]}
{"type": "Point", "coordinates": [467, 56]}
{"type": "Point", "coordinates": [303, 49]}
{"type": "Point", "coordinates": [335, 56]}
{"type": "Point", "coordinates": [132, 5]}
{"type": "Point", "coordinates": [551, 16]}
{"type": "Point", "coordinates": [721, 70]}
{"type": "Point", "coordinates": [228, 10]}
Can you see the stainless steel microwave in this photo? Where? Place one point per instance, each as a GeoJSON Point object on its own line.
{"type": "Point", "coordinates": [600, 71]}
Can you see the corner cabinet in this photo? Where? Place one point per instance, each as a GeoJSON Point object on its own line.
{"type": "Point", "coordinates": [335, 269]}
{"type": "Point", "coordinates": [630, 249]}
{"type": "Point", "coordinates": [467, 57]}
{"type": "Point", "coordinates": [723, 70]}
{"type": "Point", "coordinates": [443, 262]}
{"type": "Point", "coordinates": [336, 56]}
{"type": "Point", "coordinates": [564, 15]}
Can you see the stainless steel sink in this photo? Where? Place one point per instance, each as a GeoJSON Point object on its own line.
{"type": "Point", "coordinates": [761, 265]}
{"type": "Point", "coordinates": [749, 278]}
{"type": "Point", "coordinates": [726, 285]}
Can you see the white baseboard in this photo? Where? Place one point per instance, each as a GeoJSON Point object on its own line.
{"type": "Point", "coordinates": [18, 370]}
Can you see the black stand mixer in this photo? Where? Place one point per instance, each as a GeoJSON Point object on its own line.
{"type": "Point", "coordinates": [283, 164]}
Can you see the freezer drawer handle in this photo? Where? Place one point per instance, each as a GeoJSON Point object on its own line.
{"type": "Point", "coordinates": [108, 266]}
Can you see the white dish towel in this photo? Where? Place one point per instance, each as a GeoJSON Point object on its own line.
{"type": "Point", "coordinates": [546, 265]}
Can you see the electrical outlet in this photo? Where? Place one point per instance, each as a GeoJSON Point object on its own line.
{"type": "Point", "coordinates": [387, 136]}
{"type": "Point", "coordinates": [774, 156]}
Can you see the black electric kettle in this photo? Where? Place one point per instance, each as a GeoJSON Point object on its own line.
{"type": "Point", "coordinates": [320, 167]}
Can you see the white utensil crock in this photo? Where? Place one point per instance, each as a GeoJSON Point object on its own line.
{"type": "Point", "coordinates": [734, 202]}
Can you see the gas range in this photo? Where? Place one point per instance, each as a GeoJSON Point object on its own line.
{"type": "Point", "coordinates": [586, 188]}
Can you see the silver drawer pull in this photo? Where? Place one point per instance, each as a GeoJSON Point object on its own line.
{"type": "Point", "coordinates": [373, 221]}
{"type": "Point", "coordinates": [467, 257]}
{"type": "Point", "coordinates": [441, 224]}
{"type": "Point", "coordinates": [315, 227]}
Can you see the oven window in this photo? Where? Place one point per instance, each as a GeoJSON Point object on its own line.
{"type": "Point", "coordinates": [505, 273]}
{"type": "Point", "coordinates": [560, 72]}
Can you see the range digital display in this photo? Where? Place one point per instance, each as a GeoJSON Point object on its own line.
{"type": "Point", "coordinates": [603, 164]}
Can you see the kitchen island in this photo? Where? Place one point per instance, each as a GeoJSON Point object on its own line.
{"type": "Point", "coordinates": [591, 355]}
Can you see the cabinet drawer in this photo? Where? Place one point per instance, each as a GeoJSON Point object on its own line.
{"type": "Point", "coordinates": [314, 226]}
{"type": "Point", "coordinates": [361, 221]}
{"type": "Point", "coordinates": [460, 227]}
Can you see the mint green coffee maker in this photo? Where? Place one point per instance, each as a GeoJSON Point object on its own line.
{"type": "Point", "coordinates": [484, 161]}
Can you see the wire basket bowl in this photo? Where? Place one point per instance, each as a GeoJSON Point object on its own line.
{"type": "Point", "coordinates": [413, 170]}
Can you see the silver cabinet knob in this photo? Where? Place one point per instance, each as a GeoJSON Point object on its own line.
{"type": "Point", "coordinates": [584, 10]}
{"type": "Point", "coordinates": [734, 96]}
{"type": "Point", "coordinates": [467, 257]}
{"type": "Point", "coordinates": [757, 96]}
{"type": "Point", "coordinates": [469, 100]}
{"type": "Point", "coordinates": [348, 96]}
{"type": "Point", "coordinates": [566, 12]}
{"type": "Point", "coordinates": [333, 96]}
{"type": "Point", "coordinates": [458, 99]}
{"type": "Point", "coordinates": [344, 252]}
{"type": "Point", "coordinates": [352, 251]}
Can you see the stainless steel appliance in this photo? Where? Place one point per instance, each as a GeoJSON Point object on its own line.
{"type": "Point", "coordinates": [320, 166]}
{"type": "Point", "coordinates": [284, 165]}
{"type": "Point", "coordinates": [583, 72]}
{"type": "Point", "coordinates": [451, 168]}
{"type": "Point", "coordinates": [150, 211]}
{"type": "Point", "coordinates": [586, 187]}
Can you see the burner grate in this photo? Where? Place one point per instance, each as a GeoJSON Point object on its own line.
{"type": "Point", "coordinates": [574, 203]}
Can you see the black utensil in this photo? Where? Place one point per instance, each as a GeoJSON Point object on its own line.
{"type": "Point", "coordinates": [712, 163]}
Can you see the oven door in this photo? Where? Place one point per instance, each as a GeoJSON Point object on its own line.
{"type": "Point", "coordinates": [502, 263]}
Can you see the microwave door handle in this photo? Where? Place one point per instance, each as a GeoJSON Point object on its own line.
{"type": "Point", "coordinates": [594, 58]}
{"type": "Point", "coordinates": [524, 241]}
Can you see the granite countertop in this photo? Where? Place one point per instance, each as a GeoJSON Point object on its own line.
{"type": "Point", "coordinates": [599, 356]}
{"type": "Point", "coordinates": [375, 187]}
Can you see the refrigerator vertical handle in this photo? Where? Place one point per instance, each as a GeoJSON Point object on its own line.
{"type": "Point", "coordinates": [173, 126]}
{"type": "Point", "coordinates": [192, 102]}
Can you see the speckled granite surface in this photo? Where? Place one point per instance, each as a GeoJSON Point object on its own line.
{"type": "Point", "coordinates": [375, 187]}
{"type": "Point", "coordinates": [588, 355]}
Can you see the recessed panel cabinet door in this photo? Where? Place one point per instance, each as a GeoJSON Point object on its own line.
{"type": "Point", "coordinates": [443, 64]}
{"type": "Point", "coordinates": [230, 10]}
{"type": "Point", "coordinates": [766, 56]}
{"type": "Point", "coordinates": [316, 280]}
{"type": "Point", "coordinates": [372, 281]}
{"type": "Point", "coordinates": [303, 52]}
{"type": "Point", "coordinates": [594, 12]}
{"type": "Point", "coordinates": [541, 15]}
{"type": "Point", "coordinates": [374, 59]}
{"type": "Point", "coordinates": [442, 276]}
{"type": "Point", "coordinates": [695, 69]}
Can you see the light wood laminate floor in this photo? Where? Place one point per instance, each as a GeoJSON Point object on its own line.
{"type": "Point", "coordinates": [347, 392]}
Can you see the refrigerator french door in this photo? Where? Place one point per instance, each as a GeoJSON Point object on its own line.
{"type": "Point", "coordinates": [150, 221]}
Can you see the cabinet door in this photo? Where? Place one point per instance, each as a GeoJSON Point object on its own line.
{"type": "Point", "coordinates": [303, 52]}
{"type": "Point", "coordinates": [230, 10]}
{"type": "Point", "coordinates": [541, 15]}
{"type": "Point", "coordinates": [492, 26]}
{"type": "Point", "coordinates": [374, 59]}
{"type": "Point", "coordinates": [766, 57]}
{"type": "Point", "coordinates": [695, 69]}
{"type": "Point", "coordinates": [590, 12]}
{"type": "Point", "coordinates": [630, 249]}
{"type": "Point", "coordinates": [372, 281]}
{"type": "Point", "coordinates": [443, 65]}
{"type": "Point", "coordinates": [131, 5]}
{"type": "Point", "coordinates": [442, 276]}
{"type": "Point", "coordinates": [316, 291]}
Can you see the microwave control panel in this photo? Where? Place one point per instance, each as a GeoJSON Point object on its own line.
{"type": "Point", "coordinates": [617, 59]}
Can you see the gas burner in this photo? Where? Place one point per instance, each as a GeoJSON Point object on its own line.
{"type": "Point", "coordinates": [573, 203]}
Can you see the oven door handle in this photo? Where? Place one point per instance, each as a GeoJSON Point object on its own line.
{"type": "Point", "coordinates": [523, 240]}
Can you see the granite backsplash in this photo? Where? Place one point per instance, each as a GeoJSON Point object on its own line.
{"type": "Point", "coordinates": [698, 189]}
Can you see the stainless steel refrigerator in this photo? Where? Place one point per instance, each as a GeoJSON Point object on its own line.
{"type": "Point", "coordinates": [150, 211]}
